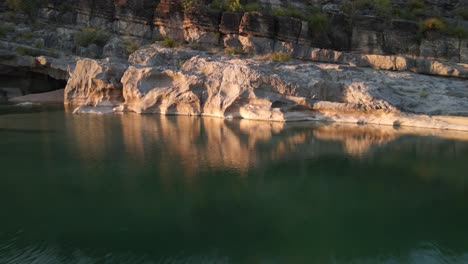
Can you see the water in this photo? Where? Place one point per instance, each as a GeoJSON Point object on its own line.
{"type": "Point", "coordinates": [152, 189]}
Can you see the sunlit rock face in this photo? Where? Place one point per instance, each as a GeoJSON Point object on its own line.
{"type": "Point", "coordinates": [148, 90]}
{"type": "Point", "coordinates": [95, 83]}
{"type": "Point", "coordinates": [167, 81]}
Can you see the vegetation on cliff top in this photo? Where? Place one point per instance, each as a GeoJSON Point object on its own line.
{"type": "Point", "coordinates": [317, 20]}
{"type": "Point", "coordinates": [88, 36]}
{"type": "Point", "coordinates": [5, 29]}
{"type": "Point", "coordinates": [235, 6]}
{"type": "Point", "coordinates": [30, 7]}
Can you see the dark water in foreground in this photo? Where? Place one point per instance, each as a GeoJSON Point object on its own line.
{"type": "Point", "coordinates": [151, 189]}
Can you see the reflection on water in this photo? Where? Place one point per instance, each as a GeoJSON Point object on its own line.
{"type": "Point", "coordinates": [156, 189]}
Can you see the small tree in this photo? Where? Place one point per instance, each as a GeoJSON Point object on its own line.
{"type": "Point", "coordinates": [29, 7]}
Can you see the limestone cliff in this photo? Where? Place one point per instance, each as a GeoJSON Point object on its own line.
{"type": "Point", "coordinates": [351, 60]}
{"type": "Point", "coordinates": [422, 28]}
{"type": "Point", "coordinates": [197, 83]}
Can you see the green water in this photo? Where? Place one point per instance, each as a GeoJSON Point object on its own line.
{"type": "Point", "coordinates": [152, 189]}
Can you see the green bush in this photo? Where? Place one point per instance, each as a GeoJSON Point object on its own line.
{"type": "Point", "coordinates": [415, 4]}
{"type": "Point", "coordinates": [434, 24]}
{"type": "Point", "coordinates": [440, 25]}
{"type": "Point", "coordinates": [187, 4]}
{"type": "Point", "coordinates": [219, 5]}
{"type": "Point", "coordinates": [280, 56]}
{"type": "Point", "coordinates": [38, 44]}
{"type": "Point", "coordinates": [233, 51]}
{"type": "Point", "coordinates": [315, 18]}
{"type": "Point", "coordinates": [235, 6]}
{"type": "Point", "coordinates": [463, 13]}
{"type": "Point", "coordinates": [29, 7]}
{"type": "Point", "coordinates": [88, 36]}
{"type": "Point", "coordinates": [383, 8]}
{"type": "Point", "coordinates": [130, 46]}
{"type": "Point", "coordinates": [158, 38]}
{"type": "Point", "coordinates": [28, 52]}
{"type": "Point", "coordinates": [26, 35]}
{"type": "Point", "coordinates": [412, 11]}
{"type": "Point", "coordinates": [380, 7]}
{"type": "Point", "coordinates": [289, 11]}
{"type": "Point", "coordinates": [319, 22]}
{"type": "Point", "coordinates": [252, 7]}
{"type": "Point", "coordinates": [5, 29]}
{"type": "Point", "coordinates": [169, 43]}
{"type": "Point", "coordinates": [457, 31]}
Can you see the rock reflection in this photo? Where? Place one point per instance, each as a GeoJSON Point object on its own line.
{"type": "Point", "coordinates": [356, 140]}
{"type": "Point", "coordinates": [204, 142]}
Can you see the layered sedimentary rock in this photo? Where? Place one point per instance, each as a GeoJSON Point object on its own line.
{"type": "Point", "coordinates": [229, 87]}
{"type": "Point", "coordinates": [138, 22]}
{"type": "Point", "coordinates": [201, 25]}
{"type": "Point", "coordinates": [134, 17]}
{"type": "Point", "coordinates": [169, 19]}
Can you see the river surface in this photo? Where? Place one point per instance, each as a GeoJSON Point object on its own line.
{"type": "Point", "coordinates": [154, 189]}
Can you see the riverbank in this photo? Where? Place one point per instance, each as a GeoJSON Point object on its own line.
{"type": "Point", "coordinates": [157, 80]}
{"type": "Point", "coordinates": [187, 82]}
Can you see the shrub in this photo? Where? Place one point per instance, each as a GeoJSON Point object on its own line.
{"type": "Point", "coordinates": [88, 36]}
{"type": "Point", "coordinates": [433, 23]}
{"type": "Point", "coordinates": [169, 43]}
{"type": "Point", "coordinates": [5, 29]}
{"type": "Point", "coordinates": [158, 38]}
{"type": "Point", "coordinates": [415, 4]}
{"type": "Point", "coordinates": [382, 8]}
{"type": "Point", "coordinates": [457, 31]}
{"type": "Point", "coordinates": [130, 46]}
{"type": "Point", "coordinates": [39, 44]}
{"type": "Point", "coordinates": [289, 11]}
{"type": "Point", "coordinates": [280, 56]}
{"type": "Point", "coordinates": [219, 5]}
{"type": "Point", "coordinates": [315, 18]}
{"type": "Point", "coordinates": [27, 52]}
{"type": "Point", "coordinates": [319, 22]}
{"type": "Point", "coordinates": [233, 51]}
{"type": "Point", "coordinates": [412, 10]}
{"type": "Point", "coordinates": [252, 7]}
{"type": "Point", "coordinates": [235, 6]}
{"type": "Point", "coordinates": [438, 24]}
{"type": "Point", "coordinates": [26, 35]}
{"type": "Point", "coordinates": [187, 4]}
{"type": "Point", "coordinates": [463, 13]}
{"type": "Point", "coordinates": [29, 7]}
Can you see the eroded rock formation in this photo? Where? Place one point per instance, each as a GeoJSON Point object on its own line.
{"type": "Point", "coordinates": [228, 87]}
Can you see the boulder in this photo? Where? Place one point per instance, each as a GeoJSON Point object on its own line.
{"type": "Point", "coordinates": [95, 83]}
{"type": "Point", "coordinates": [150, 90]}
